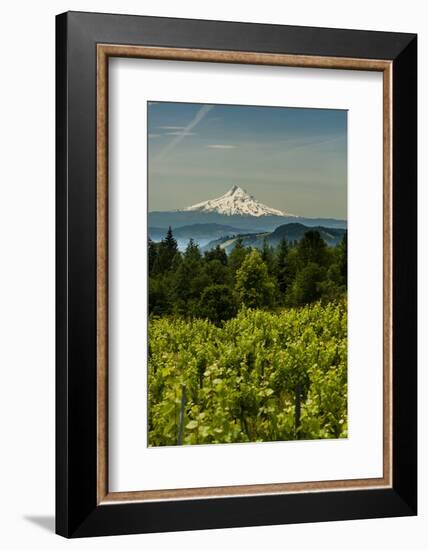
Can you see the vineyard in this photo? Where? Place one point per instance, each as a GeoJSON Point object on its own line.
{"type": "Point", "coordinates": [260, 376]}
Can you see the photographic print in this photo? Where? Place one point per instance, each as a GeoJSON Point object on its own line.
{"type": "Point", "coordinates": [247, 264]}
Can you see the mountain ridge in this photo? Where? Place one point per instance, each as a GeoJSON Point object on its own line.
{"type": "Point", "coordinates": [289, 231]}
{"type": "Point", "coordinates": [176, 219]}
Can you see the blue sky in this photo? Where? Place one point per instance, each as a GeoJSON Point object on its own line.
{"type": "Point", "coordinates": [291, 159]}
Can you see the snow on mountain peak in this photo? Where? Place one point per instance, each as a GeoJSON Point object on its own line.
{"type": "Point", "coordinates": [236, 202]}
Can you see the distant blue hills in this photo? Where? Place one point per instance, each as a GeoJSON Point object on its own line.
{"type": "Point", "coordinates": [210, 229]}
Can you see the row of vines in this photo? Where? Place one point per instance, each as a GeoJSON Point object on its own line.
{"type": "Point", "coordinates": [261, 376]}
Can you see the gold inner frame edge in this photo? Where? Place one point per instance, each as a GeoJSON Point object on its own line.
{"type": "Point", "coordinates": [104, 51]}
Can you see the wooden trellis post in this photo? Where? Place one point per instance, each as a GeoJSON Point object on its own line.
{"type": "Point", "coordinates": [181, 416]}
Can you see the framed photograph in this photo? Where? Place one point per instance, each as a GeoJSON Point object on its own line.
{"type": "Point", "coordinates": [236, 274]}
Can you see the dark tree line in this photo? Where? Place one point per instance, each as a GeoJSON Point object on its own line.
{"type": "Point", "coordinates": [215, 285]}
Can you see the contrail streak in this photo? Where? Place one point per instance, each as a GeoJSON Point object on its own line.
{"type": "Point", "coordinates": [203, 111]}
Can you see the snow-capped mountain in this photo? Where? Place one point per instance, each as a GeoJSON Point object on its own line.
{"type": "Point", "coordinates": [236, 202]}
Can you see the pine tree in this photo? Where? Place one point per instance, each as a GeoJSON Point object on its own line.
{"type": "Point", "coordinates": [217, 303]}
{"type": "Point", "coordinates": [152, 254]}
{"type": "Point", "coordinates": [192, 253]}
{"type": "Point", "coordinates": [343, 259]}
{"type": "Point", "coordinates": [159, 296]}
{"type": "Point", "coordinates": [167, 249]}
{"type": "Point", "coordinates": [237, 256]}
{"type": "Point", "coordinates": [306, 286]}
{"type": "Point", "coordinates": [216, 253]}
{"type": "Point", "coordinates": [268, 257]}
{"type": "Point", "coordinates": [218, 273]}
{"type": "Point", "coordinates": [312, 249]}
{"type": "Point", "coordinates": [189, 281]}
{"type": "Point", "coordinates": [283, 270]}
{"type": "Point", "coordinates": [169, 241]}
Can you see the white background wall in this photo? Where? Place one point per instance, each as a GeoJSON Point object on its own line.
{"type": "Point", "coordinates": [27, 89]}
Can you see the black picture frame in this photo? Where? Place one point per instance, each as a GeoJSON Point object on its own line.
{"type": "Point", "coordinates": [77, 511]}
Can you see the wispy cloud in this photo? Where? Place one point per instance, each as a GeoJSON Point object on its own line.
{"type": "Point", "coordinates": [181, 133]}
{"type": "Point", "coordinates": [154, 135]}
{"type": "Point", "coordinates": [185, 131]}
{"type": "Point", "coordinates": [221, 146]}
{"type": "Point", "coordinates": [312, 143]}
{"type": "Point", "coordinates": [171, 127]}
